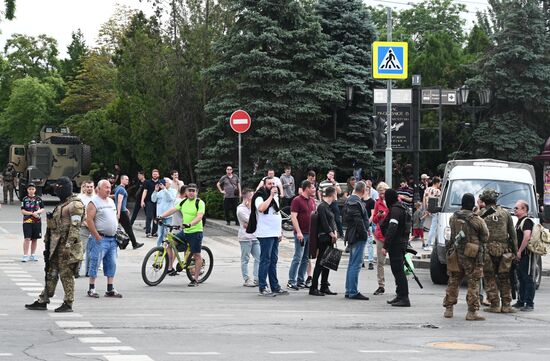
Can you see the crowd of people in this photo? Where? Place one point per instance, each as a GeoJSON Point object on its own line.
{"type": "Point", "coordinates": [374, 219]}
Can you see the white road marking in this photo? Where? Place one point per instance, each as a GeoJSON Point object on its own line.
{"type": "Point", "coordinates": [112, 348]}
{"type": "Point", "coordinates": [3, 314]}
{"type": "Point", "coordinates": [91, 353]}
{"type": "Point", "coordinates": [84, 332]}
{"type": "Point", "coordinates": [28, 284]}
{"type": "Point", "coordinates": [22, 278]}
{"type": "Point", "coordinates": [32, 288]}
{"type": "Point", "coordinates": [140, 315]}
{"type": "Point", "coordinates": [3, 230]}
{"type": "Point", "coordinates": [74, 324]}
{"type": "Point", "coordinates": [129, 358]}
{"type": "Point", "coordinates": [63, 315]}
{"type": "Point", "coordinates": [5, 354]}
{"type": "Point", "coordinates": [99, 340]}
{"type": "Point", "coordinates": [290, 352]}
{"type": "Point", "coordinates": [9, 272]}
{"type": "Point", "coordinates": [390, 351]}
{"type": "Point", "coordinates": [193, 353]}
{"type": "Point", "coordinates": [33, 294]}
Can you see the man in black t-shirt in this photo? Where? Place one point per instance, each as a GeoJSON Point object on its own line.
{"type": "Point", "coordinates": [150, 206]}
{"type": "Point", "coordinates": [139, 192]}
{"type": "Point", "coordinates": [524, 227]}
{"type": "Point", "coordinates": [31, 209]}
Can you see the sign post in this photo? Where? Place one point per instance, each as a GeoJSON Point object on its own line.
{"type": "Point", "coordinates": [390, 61]}
{"type": "Point", "coordinates": [240, 122]}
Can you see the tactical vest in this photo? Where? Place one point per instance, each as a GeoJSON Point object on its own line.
{"type": "Point", "coordinates": [497, 224]}
{"type": "Point", "coordinates": [461, 221]}
{"type": "Point", "coordinates": [7, 175]}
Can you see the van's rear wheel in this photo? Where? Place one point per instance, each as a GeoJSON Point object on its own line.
{"type": "Point", "coordinates": [438, 270]}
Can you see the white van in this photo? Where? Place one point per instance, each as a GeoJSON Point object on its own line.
{"type": "Point", "coordinates": [513, 181]}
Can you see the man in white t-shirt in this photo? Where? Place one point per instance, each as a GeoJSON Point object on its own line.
{"type": "Point", "coordinates": [266, 225]}
{"type": "Point", "coordinates": [86, 194]}
{"type": "Point", "coordinates": [277, 180]}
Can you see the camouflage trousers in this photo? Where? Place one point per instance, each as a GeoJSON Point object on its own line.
{"type": "Point", "coordinates": [59, 270]}
{"type": "Point", "coordinates": [8, 189]}
{"type": "Point", "coordinates": [495, 282]}
{"type": "Point", "coordinates": [472, 272]}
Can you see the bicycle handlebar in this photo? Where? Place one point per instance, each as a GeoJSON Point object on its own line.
{"type": "Point", "coordinates": [170, 227]}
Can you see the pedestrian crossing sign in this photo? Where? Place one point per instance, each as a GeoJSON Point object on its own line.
{"type": "Point", "coordinates": [390, 60]}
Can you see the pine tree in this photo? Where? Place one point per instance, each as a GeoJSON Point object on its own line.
{"type": "Point", "coordinates": [273, 64]}
{"type": "Point", "coordinates": [351, 33]}
{"type": "Point", "coordinates": [76, 50]}
{"type": "Point", "coordinates": [517, 70]}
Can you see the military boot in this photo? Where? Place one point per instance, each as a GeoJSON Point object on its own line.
{"type": "Point", "coordinates": [473, 316]}
{"type": "Point", "coordinates": [495, 308]}
{"type": "Point", "coordinates": [506, 308]}
{"type": "Point", "coordinates": [64, 308]}
{"type": "Point", "coordinates": [37, 305]}
{"type": "Point", "coordinates": [448, 312]}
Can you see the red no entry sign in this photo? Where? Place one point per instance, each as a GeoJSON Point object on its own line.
{"type": "Point", "coordinates": [240, 121]}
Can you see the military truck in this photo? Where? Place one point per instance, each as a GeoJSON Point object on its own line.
{"type": "Point", "coordinates": [56, 154]}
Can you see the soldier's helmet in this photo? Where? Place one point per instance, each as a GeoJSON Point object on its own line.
{"type": "Point", "coordinates": [489, 195]}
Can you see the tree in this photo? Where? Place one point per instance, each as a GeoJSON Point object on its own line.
{"type": "Point", "coordinates": [351, 33]}
{"type": "Point", "coordinates": [517, 70]}
{"type": "Point", "coordinates": [9, 13]}
{"type": "Point", "coordinates": [31, 56]}
{"type": "Point", "coordinates": [272, 63]}
{"type": "Point", "coordinates": [30, 106]}
{"type": "Point", "coordinates": [76, 50]}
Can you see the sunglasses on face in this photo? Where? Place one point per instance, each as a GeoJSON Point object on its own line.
{"type": "Point", "coordinates": [191, 190]}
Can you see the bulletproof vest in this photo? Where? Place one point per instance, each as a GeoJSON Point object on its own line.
{"type": "Point", "coordinates": [462, 221]}
{"type": "Point", "coordinates": [7, 175]}
{"type": "Point", "coordinates": [497, 223]}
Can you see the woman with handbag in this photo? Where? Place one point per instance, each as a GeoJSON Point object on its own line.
{"type": "Point", "coordinates": [327, 234]}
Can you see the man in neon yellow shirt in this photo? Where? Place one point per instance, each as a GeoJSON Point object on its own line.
{"type": "Point", "coordinates": [192, 210]}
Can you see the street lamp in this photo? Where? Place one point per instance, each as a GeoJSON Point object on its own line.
{"type": "Point", "coordinates": [349, 99]}
{"type": "Point", "coordinates": [484, 99]}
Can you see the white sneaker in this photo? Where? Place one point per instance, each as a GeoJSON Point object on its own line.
{"type": "Point", "coordinates": [33, 258]}
{"type": "Point", "coordinates": [249, 283]}
{"type": "Point", "coordinates": [25, 259]}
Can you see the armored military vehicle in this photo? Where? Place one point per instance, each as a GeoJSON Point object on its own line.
{"type": "Point", "coordinates": [56, 154]}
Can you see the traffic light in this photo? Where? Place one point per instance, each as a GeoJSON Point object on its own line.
{"type": "Point", "coordinates": [379, 132]}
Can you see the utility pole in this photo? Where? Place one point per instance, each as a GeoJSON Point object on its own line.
{"type": "Point", "coordinates": [389, 166]}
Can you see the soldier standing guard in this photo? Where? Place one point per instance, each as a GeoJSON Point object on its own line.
{"type": "Point", "coordinates": [8, 176]}
{"type": "Point", "coordinates": [465, 256]}
{"type": "Point", "coordinates": [63, 250]}
{"type": "Point", "coordinates": [502, 250]}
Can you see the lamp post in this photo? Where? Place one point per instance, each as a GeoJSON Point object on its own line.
{"type": "Point", "coordinates": [484, 99]}
{"type": "Point", "coordinates": [349, 100]}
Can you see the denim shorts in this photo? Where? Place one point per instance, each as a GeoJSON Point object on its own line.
{"type": "Point", "coordinates": [104, 250]}
{"type": "Point", "coordinates": [194, 239]}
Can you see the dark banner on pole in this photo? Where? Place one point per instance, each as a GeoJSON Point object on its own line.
{"type": "Point", "coordinates": [401, 126]}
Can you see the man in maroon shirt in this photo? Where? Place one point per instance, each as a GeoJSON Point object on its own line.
{"type": "Point", "coordinates": [300, 213]}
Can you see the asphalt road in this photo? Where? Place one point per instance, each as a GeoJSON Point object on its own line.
{"type": "Point", "coordinates": [221, 320]}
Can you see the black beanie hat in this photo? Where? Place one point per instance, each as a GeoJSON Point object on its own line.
{"type": "Point", "coordinates": [468, 201]}
{"type": "Point", "coordinates": [391, 197]}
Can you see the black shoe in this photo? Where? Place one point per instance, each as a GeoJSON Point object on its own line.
{"type": "Point", "coordinates": [137, 245]}
{"type": "Point", "coordinates": [301, 285]}
{"type": "Point", "coordinates": [404, 302]}
{"type": "Point", "coordinates": [390, 302]}
{"type": "Point", "coordinates": [359, 296]}
{"type": "Point", "coordinates": [237, 224]}
{"type": "Point", "coordinates": [36, 305]}
{"type": "Point", "coordinates": [379, 291]}
{"type": "Point", "coordinates": [227, 223]}
{"type": "Point", "coordinates": [193, 283]}
{"type": "Point", "coordinates": [363, 265]}
{"type": "Point", "coordinates": [315, 292]}
{"type": "Point", "coordinates": [527, 309]}
{"type": "Point", "coordinates": [347, 250]}
{"type": "Point", "coordinates": [371, 267]}
{"type": "Point", "coordinates": [327, 291]}
{"type": "Point", "coordinates": [308, 281]}
{"type": "Point", "coordinates": [64, 308]}
{"type": "Point", "coordinates": [518, 305]}
{"type": "Point", "coordinates": [154, 235]}
{"type": "Point", "coordinates": [172, 272]}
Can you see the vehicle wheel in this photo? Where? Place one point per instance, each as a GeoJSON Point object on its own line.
{"type": "Point", "coordinates": [154, 266]}
{"type": "Point", "coordinates": [438, 270]}
{"type": "Point", "coordinates": [538, 272]}
{"type": "Point", "coordinates": [65, 139]}
{"type": "Point", "coordinates": [86, 162]}
{"type": "Point", "coordinates": [207, 265]}
{"type": "Point", "coordinates": [287, 223]}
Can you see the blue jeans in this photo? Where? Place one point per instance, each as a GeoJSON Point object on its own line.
{"type": "Point", "coordinates": [269, 255]}
{"type": "Point", "coordinates": [248, 248]}
{"type": "Point", "coordinates": [105, 251]}
{"type": "Point", "coordinates": [370, 245]}
{"type": "Point", "coordinates": [299, 261]}
{"type": "Point", "coordinates": [526, 282]}
{"type": "Point", "coordinates": [163, 230]}
{"type": "Point", "coordinates": [356, 255]}
{"type": "Point", "coordinates": [433, 230]}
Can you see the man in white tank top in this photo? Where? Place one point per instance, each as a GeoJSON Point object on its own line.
{"type": "Point", "coordinates": [101, 218]}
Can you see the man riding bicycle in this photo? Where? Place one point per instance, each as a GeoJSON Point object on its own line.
{"type": "Point", "coordinates": [192, 209]}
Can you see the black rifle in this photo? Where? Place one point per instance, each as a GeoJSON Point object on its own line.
{"type": "Point", "coordinates": [409, 268]}
{"type": "Point", "coordinates": [47, 243]}
{"type": "Point", "coordinates": [514, 279]}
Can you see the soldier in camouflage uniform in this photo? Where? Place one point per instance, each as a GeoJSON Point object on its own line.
{"type": "Point", "coordinates": [501, 251]}
{"type": "Point", "coordinates": [8, 177]}
{"type": "Point", "coordinates": [64, 247]}
{"type": "Point", "coordinates": [468, 238]}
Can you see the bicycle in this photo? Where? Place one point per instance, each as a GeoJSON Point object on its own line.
{"type": "Point", "coordinates": [286, 222]}
{"type": "Point", "coordinates": [155, 264]}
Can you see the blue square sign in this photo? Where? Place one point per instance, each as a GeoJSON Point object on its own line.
{"type": "Point", "coordinates": [390, 60]}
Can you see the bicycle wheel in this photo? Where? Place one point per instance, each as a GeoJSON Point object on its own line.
{"type": "Point", "coordinates": [206, 268]}
{"type": "Point", "coordinates": [286, 223]}
{"type": "Point", "coordinates": [154, 266]}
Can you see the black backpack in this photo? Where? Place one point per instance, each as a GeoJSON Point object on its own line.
{"type": "Point", "coordinates": [197, 200]}
{"type": "Point", "coordinates": [408, 219]}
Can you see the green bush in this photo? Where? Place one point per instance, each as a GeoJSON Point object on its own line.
{"type": "Point", "coordinates": [214, 203]}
